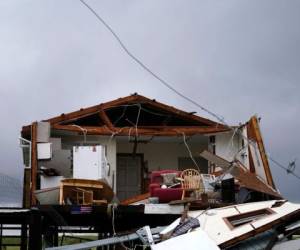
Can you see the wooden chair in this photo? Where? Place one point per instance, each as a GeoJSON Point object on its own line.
{"type": "Point", "coordinates": [190, 181]}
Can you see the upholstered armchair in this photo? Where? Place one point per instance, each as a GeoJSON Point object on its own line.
{"type": "Point", "coordinates": [168, 194]}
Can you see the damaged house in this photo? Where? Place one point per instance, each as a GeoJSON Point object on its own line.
{"type": "Point", "coordinates": [128, 142]}
{"type": "Point", "coordinates": [188, 180]}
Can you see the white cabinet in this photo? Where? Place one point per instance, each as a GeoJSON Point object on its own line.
{"type": "Point", "coordinates": [89, 162]}
{"type": "Point", "coordinates": [44, 151]}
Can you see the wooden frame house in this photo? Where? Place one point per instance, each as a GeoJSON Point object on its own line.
{"type": "Point", "coordinates": [139, 135]}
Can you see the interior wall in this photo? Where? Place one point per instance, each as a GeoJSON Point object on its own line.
{"type": "Point", "coordinates": [230, 145]}
{"type": "Point", "coordinates": [163, 155]}
{"type": "Point", "coordinates": [158, 154]}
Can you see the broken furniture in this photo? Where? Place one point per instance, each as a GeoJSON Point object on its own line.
{"type": "Point", "coordinates": [191, 181]}
{"type": "Point", "coordinates": [48, 196]}
{"type": "Point", "coordinates": [208, 182]}
{"type": "Point", "coordinates": [80, 191]}
{"type": "Point", "coordinates": [83, 197]}
{"type": "Point", "coordinates": [244, 177]}
{"type": "Point", "coordinates": [158, 180]}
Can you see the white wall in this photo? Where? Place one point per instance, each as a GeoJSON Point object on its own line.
{"type": "Point", "coordinates": [162, 155]}
{"type": "Point", "coordinates": [229, 145]}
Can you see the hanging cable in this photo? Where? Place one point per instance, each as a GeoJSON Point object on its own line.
{"type": "Point", "coordinates": [84, 131]}
{"type": "Point", "coordinates": [137, 121]}
{"type": "Point", "coordinates": [228, 148]}
{"type": "Point", "coordinates": [190, 152]}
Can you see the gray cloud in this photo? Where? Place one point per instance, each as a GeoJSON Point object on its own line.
{"type": "Point", "coordinates": [237, 58]}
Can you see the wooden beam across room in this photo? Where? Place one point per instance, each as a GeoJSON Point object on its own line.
{"type": "Point", "coordinates": [157, 131]}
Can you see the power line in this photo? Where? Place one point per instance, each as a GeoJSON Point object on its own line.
{"type": "Point", "coordinates": [283, 167]}
{"type": "Point", "coordinates": [138, 61]}
{"type": "Point", "coordinates": [168, 85]}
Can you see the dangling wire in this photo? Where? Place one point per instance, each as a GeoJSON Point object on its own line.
{"type": "Point", "coordinates": [230, 145]}
{"type": "Point", "coordinates": [137, 121]}
{"type": "Point", "coordinates": [190, 152]}
{"type": "Point", "coordinates": [84, 131]}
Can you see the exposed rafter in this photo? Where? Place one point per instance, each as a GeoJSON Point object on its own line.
{"type": "Point", "coordinates": [157, 131]}
{"type": "Point", "coordinates": [105, 119]}
{"type": "Point", "coordinates": [174, 117]}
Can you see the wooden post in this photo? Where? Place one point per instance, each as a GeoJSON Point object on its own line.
{"type": "Point", "coordinates": [26, 188]}
{"type": "Point", "coordinates": [1, 236]}
{"type": "Point", "coordinates": [55, 236]}
{"type": "Point", "coordinates": [35, 231]}
{"type": "Point", "coordinates": [34, 164]}
{"type": "Point", "coordinates": [23, 237]}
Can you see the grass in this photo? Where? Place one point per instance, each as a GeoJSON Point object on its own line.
{"type": "Point", "coordinates": [66, 241]}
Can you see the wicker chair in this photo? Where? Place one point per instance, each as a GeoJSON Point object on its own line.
{"type": "Point", "coordinates": [190, 181]}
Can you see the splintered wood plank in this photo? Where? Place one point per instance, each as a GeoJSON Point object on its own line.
{"type": "Point", "coordinates": [86, 185]}
{"type": "Point", "coordinates": [255, 134]}
{"type": "Point", "coordinates": [136, 198]}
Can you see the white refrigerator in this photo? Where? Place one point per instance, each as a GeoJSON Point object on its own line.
{"type": "Point", "coordinates": [89, 162]}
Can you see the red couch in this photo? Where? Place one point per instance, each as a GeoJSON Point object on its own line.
{"type": "Point", "coordinates": [164, 195]}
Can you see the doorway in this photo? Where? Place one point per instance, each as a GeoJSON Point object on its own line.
{"type": "Point", "coordinates": [129, 175]}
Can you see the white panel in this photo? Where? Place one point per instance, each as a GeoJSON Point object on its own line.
{"type": "Point", "coordinates": [258, 164]}
{"type": "Point", "coordinates": [195, 240]}
{"type": "Point", "coordinates": [163, 209]}
{"type": "Point", "coordinates": [50, 181]}
{"type": "Point", "coordinates": [44, 151]}
{"type": "Point", "coordinates": [243, 155]}
{"type": "Point", "coordinates": [88, 162]}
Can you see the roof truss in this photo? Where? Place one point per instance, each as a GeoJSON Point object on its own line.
{"type": "Point", "coordinates": [147, 116]}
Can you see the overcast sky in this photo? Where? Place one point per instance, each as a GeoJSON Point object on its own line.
{"type": "Point", "coordinates": [237, 58]}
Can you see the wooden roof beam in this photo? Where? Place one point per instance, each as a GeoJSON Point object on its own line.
{"type": "Point", "coordinates": [160, 131]}
{"type": "Point", "coordinates": [93, 109]}
{"type": "Point", "coordinates": [105, 119]}
{"type": "Point", "coordinates": [255, 134]}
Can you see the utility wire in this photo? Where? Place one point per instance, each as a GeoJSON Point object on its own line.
{"type": "Point", "coordinates": [168, 85]}
{"type": "Point", "coordinates": [283, 167]}
{"type": "Point", "coordinates": [220, 119]}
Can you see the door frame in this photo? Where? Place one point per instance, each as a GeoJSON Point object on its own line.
{"type": "Point", "coordinates": [141, 155]}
